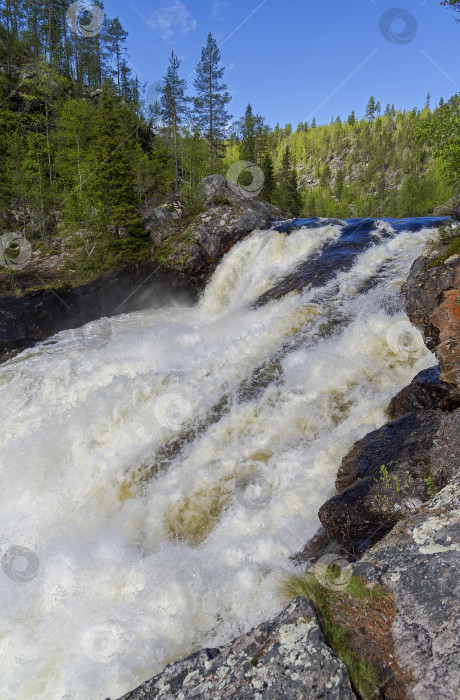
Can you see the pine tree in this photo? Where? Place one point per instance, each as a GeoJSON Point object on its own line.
{"type": "Point", "coordinates": [116, 37]}
{"type": "Point", "coordinates": [74, 139]}
{"type": "Point", "coordinates": [212, 98]}
{"type": "Point", "coordinates": [294, 198]}
{"type": "Point", "coordinates": [288, 195]}
{"type": "Point", "coordinates": [173, 106]}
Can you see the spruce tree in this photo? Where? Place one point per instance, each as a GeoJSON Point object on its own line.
{"type": "Point", "coordinates": [212, 98]}
{"type": "Point", "coordinates": [370, 110]}
{"type": "Point", "coordinates": [269, 185]}
{"type": "Point", "coordinates": [112, 183]}
{"type": "Point", "coordinates": [248, 135]}
{"type": "Point", "coordinates": [352, 119]}
{"type": "Point", "coordinates": [339, 182]}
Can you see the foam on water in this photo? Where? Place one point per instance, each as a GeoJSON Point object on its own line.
{"type": "Point", "coordinates": [163, 502]}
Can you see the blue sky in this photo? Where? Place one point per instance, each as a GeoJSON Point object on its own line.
{"type": "Point", "coordinates": [295, 59]}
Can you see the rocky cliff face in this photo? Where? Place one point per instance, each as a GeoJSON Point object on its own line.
{"type": "Point", "coordinates": [433, 306]}
{"type": "Point", "coordinates": [419, 563]}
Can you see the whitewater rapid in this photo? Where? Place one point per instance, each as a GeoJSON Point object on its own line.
{"type": "Point", "coordinates": [160, 468]}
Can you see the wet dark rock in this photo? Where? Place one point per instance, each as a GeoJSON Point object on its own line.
{"type": "Point", "coordinates": [455, 212]}
{"type": "Point", "coordinates": [39, 314]}
{"type": "Point", "coordinates": [426, 391]}
{"type": "Point", "coordinates": [419, 563]}
{"type": "Point", "coordinates": [284, 659]}
{"type": "Point", "coordinates": [387, 473]}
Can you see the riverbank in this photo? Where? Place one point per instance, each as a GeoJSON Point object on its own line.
{"type": "Point", "coordinates": [39, 298]}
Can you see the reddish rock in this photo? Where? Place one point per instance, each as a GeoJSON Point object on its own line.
{"type": "Point", "coordinates": [433, 306]}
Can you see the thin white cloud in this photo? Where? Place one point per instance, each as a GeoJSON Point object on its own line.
{"type": "Point", "coordinates": [216, 7]}
{"type": "Point", "coordinates": [172, 18]}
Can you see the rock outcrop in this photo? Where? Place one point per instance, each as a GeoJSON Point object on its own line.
{"type": "Point", "coordinates": [162, 222]}
{"type": "Point", "coordinates": [426, 391]}
{"type": "Point", "coordinates": [387, 473]}
{"type": "Point", "coordinates": [433, 306]}
{"type": "Point", "coordinates": [455, 212]}
{"type": "Point", "coordinates": [284, 659]}
{"type": "Point", "coordinates": [419, 563]}
{"type": "Point", "coordinates": [194, 246]}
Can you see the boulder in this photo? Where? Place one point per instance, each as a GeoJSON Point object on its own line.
{"type": "Point", "coordinates": [426, 391]}
{"type": "Point", "coordinates": [284, 659]}
{"type": "Point", "coordinates": [194, 247]}
{"type": "Point", "coordinates": [433, 305]}
{"type": "Point", "coordinates": [387, 473]}
{"type": "Point", "coordinates": [419, 563]}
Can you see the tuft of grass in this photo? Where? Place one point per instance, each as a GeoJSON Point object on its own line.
{"type": "Point", "coordinates": [364, 676]}
{"type": "Point", "coordinates": [448, 235]}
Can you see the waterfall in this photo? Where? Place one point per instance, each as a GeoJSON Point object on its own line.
{"type": "Point", "coordinates": [160, 468]}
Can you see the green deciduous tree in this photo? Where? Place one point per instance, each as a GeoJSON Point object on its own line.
{"type": "Point", "coordinates": [441, 129]}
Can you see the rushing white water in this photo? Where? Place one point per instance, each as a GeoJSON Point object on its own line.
{"type": "Point", "coordinates": [160, 468]}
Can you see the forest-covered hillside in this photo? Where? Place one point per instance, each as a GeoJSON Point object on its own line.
{"type": "Point", "coordinates": [83, 143]}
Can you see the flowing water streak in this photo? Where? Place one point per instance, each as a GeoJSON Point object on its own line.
{"type": "Point", "coordinates": [141, 560]}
